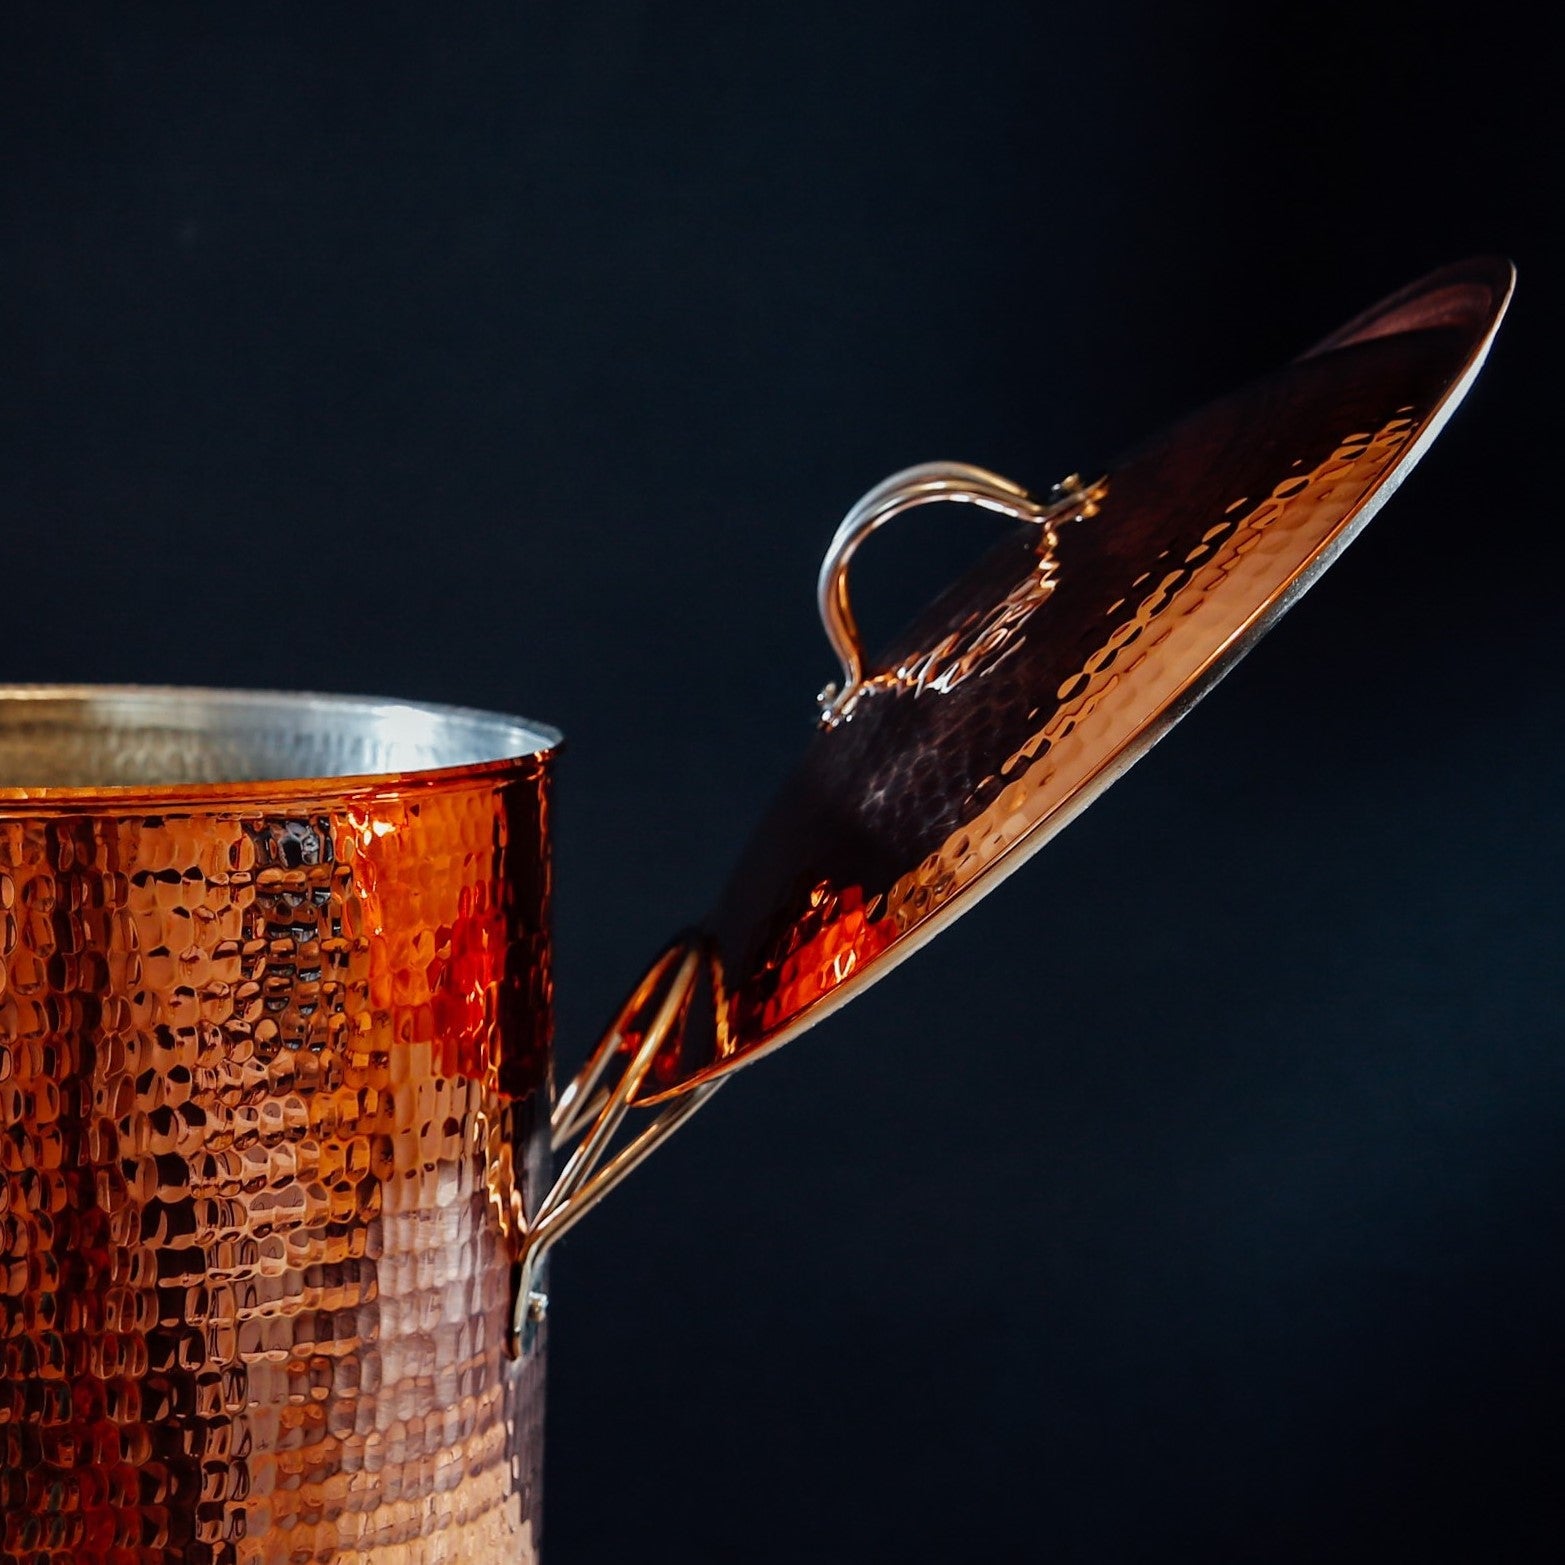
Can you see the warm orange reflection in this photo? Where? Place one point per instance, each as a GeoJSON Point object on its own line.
{"type": "Point", "coordinates": [268, 1093]}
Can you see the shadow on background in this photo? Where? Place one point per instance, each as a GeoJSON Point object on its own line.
{"type": "Point", "coordinates": [1200, 1195]}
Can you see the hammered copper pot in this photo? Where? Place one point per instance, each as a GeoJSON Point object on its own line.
{"type": "Point", "coordinates": [274, 1065]}
{"type": "Point", "coordinates": [277, 1114]}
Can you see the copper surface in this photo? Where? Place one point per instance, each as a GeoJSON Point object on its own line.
{"type": "Point", "coordinates": [930, 791]}
{"type": "Point", "coordinates": [274, 1054]}
{"type": "Point", "coordinates": [273, 1111]}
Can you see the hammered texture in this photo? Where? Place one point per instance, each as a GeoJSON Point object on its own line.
{"type": "Point", "coordinates": [273, 1090]}
{"type": "Point", "coordinates": [906, 811]}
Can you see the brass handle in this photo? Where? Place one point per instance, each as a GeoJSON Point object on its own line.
{"type": "Point", "coordinates": [915, 486]}
{"type": "Point", "coordinates": [591, 1111]}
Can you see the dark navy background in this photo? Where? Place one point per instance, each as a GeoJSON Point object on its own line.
{"type": "Point", "coordinates": [1198, 1197]}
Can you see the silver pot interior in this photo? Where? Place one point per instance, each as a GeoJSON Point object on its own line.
{"type": "Point", "coordinates": [97, 737]}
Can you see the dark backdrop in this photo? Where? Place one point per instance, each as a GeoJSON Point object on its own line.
{"type": "Point", "coordinates": [524, 355]}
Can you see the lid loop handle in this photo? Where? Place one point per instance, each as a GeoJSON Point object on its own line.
{"type": "Point", "coordinates": [912, 487]}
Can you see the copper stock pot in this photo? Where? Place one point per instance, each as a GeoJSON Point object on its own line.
{"type": "Point", "coordinates": [277, 1115]}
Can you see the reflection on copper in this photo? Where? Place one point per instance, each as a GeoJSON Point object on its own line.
{"type": "Point", "coordinates": [270, 1086]}
{"type": "Point", "coordinates": [898, 818]}
{"type": "Point", "coordinates": [274, 1058]}
{"type": "Point", "coordinates": [843, 928]}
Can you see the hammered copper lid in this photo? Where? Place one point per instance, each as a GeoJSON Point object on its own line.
{"type": "Point", "coordinates": [1058, 660]}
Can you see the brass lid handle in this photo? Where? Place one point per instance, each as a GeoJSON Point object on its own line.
{"type": "Point", "coordinates": [912, 487]}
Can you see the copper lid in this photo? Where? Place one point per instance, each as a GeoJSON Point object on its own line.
{"type": "Point", "coordinates": [1057, 661]}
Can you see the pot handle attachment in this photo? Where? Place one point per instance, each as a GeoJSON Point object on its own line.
{"type": "Point", "coordinates": [912, 487]}
{"type": "Point", "coordinates": [591, 1112]}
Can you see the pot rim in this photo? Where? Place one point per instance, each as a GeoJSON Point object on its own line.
{"type": "Point", "coordinates": [403, 745]}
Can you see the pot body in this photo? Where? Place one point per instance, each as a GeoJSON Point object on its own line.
{"type": "Point", "coordinates": [274, 1091]}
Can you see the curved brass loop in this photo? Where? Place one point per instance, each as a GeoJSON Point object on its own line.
{"type": "Point", "coordinates": [593, 1113]}
{"type": "Point", "coordinates": [915, 486]}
